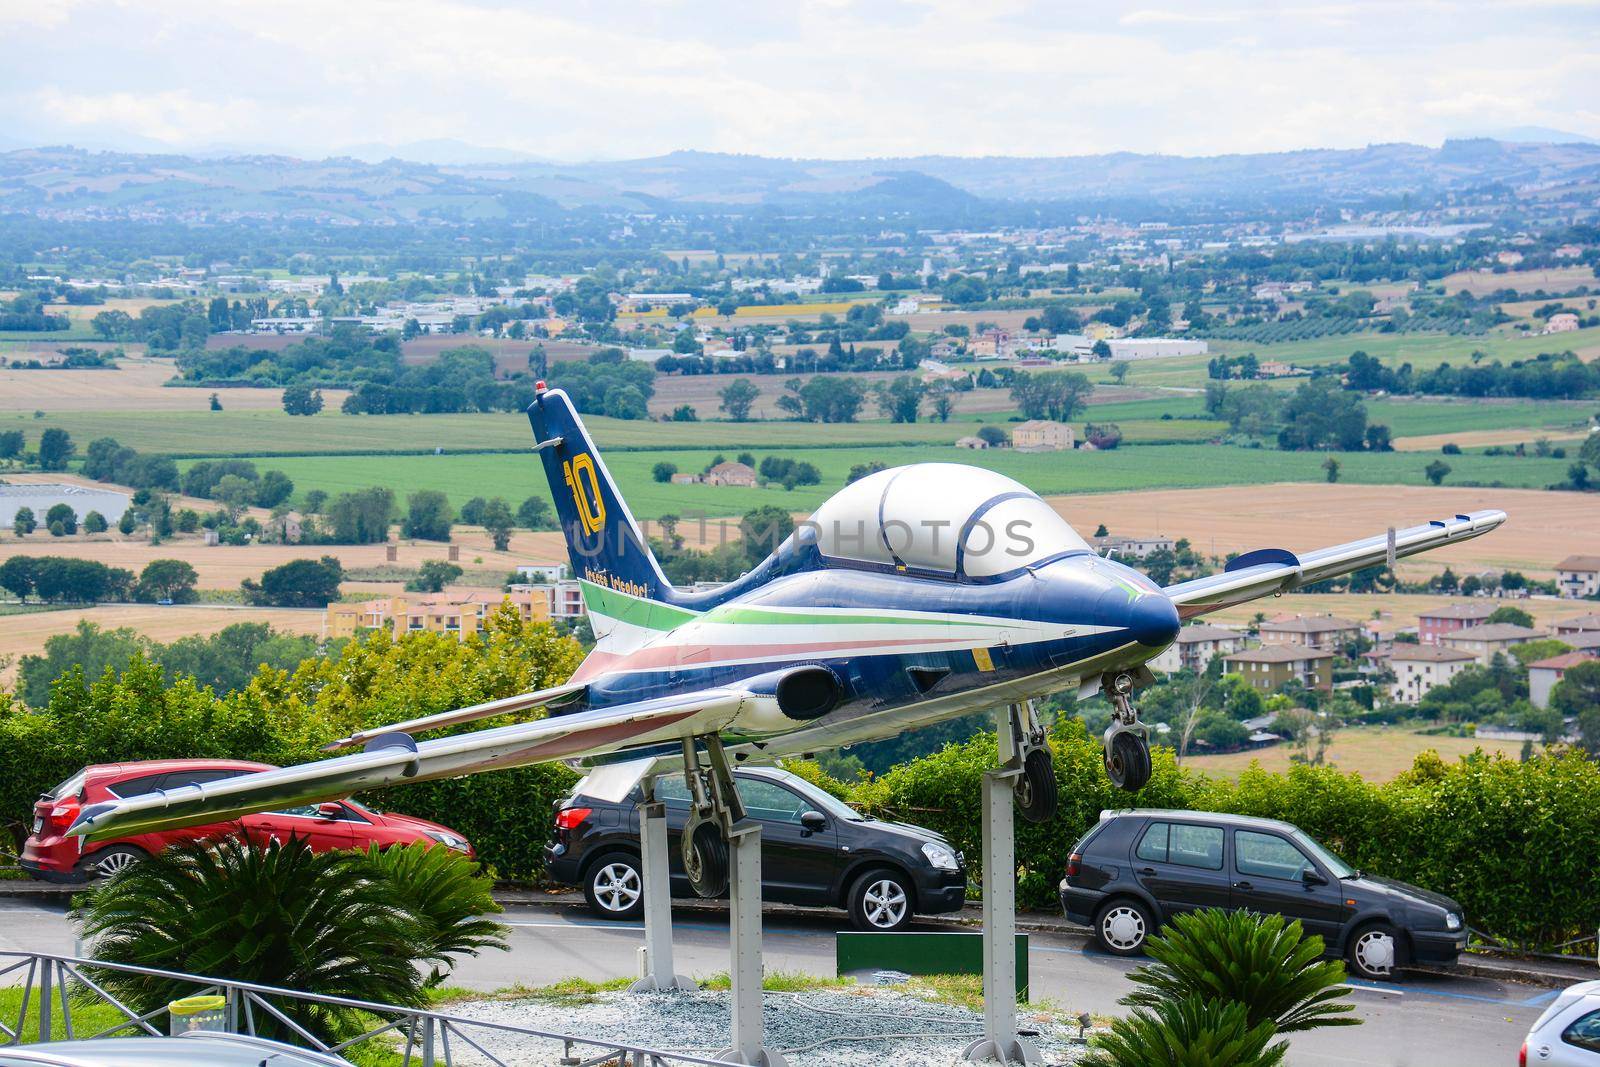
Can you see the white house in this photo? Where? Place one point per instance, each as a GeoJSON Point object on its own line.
{"type": "Point", "coordinates": [1418, 668]}
{"type": "Point", "coordinates": [1545, 673]}
{"type": "Point", "coordinates": [1196, 646]}
{"type": "Point", "coordinates": [1578, 576]}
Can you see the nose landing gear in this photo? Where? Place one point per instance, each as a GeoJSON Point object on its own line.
{"type": "Point", "coordinates": [1126, 741]}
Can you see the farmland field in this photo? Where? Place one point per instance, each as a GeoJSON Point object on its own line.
{"type": "Point", "coordinates": [134, 385]}
{"type": "Point", "coordinates": [1377, 753]}
{"type": "Point", "coordinates": [1391, 609]}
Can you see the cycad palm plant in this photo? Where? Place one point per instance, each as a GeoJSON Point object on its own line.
{"type": "Point", "coordinates": [1192, 1032]}
{"type": "Point", "coordinates": [436, 888]}
{"type": "Point", "coordinates": [1260, 962]}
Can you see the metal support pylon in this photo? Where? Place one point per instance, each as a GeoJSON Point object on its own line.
{"type": "Point", "coordinates": [744, 930]}
{"type": "Point", "coordinates": [659, 976]}
{"type": "Point", "coordinates": [1000, 1041]}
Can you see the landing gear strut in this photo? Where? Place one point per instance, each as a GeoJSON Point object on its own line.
{"type": "Point", "coordinates": [714, 809]}
{"type": "Point", "coordinates": [1127, 746]}
{"type": "Point", "coordinates": [1035, 788]}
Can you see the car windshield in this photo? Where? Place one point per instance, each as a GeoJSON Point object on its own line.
{"type": "Point", "coordinates": [1336, 866]}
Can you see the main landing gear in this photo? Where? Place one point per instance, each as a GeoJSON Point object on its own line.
{"type": "Point", "coordinates": [1126, 740]}
{"type": "Point", "coordinates": [1034, 788]}
{"type": "Point", "coordinates": [714, 809]}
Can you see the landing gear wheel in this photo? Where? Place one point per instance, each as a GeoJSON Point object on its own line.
{"type": "Point", "coordinates": [1036, 789]}
{"type": "Point", "coordinates": [1128, 761]}
{"type": "Point", "coordinates": [1374, 952]}
{"type": "Point", "coordinates": [705, 859]}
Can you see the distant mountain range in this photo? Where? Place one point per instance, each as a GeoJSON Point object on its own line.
{"type": "Point", "coordinates": [371, 184]}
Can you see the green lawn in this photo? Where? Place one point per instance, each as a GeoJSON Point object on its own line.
{"type": "Point", "coordinates": [1132, 467]}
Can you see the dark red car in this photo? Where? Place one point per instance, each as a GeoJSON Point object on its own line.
{"type": "Point", "coordinates": [51, 855]}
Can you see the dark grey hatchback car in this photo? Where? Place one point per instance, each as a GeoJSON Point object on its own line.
{"type": "Point", "coordinates": [815, 851]}
{"type": "Point", "coordinates": [1134, 870]}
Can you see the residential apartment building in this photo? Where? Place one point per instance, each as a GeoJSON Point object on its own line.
{"type": "Point", "coordinates": [1582, 624]}
{"type": "Point", "coordinates": [1545, 673]}
{"type": "Point", "coordinates": [1432, 624]}
{"type": "Point", "coordinates": [1578, 576]}
{"type": "Point", "coordinates": [1270, 669]}
{"type": "Point", "coordinates": [1041, 435]}
{"type": "Point", "coordinates": [1309, 631]}
{"type": "Point", "coordinates": [1418, 668]}
{"type": "Point", "coordinates": [1196, 646]}
{"type": "Point", "coordinates": [1484, 642]}
{"type": "Point", "coordinates": [1131, 547]}
{"type": "Point", "coordinates": [460, 613]}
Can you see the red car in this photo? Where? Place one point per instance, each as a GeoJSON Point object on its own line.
{"type": "Point", "coordinates": [51, 855]}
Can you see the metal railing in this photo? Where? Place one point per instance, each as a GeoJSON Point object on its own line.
{"type": "Point", "coordinates": [430, 1038]}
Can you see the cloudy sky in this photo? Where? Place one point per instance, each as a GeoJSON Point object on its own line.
{"type": "Point", "coordinates": [606, 79]}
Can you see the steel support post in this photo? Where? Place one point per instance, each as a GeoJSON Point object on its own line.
{"type": "Point", "coordinates": [744, 929]}
{"type": "Point", "coordinates": [1000, 1041]}
{"type": "Point", "coordinates": [657, 888]}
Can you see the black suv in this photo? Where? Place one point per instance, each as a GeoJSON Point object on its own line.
{"type": "Point", "coordinates": [1136, 869]}
{"type": "Point", "coordinates": [814, 851]}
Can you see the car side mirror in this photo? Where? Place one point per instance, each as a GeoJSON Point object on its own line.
{"type": "Point", "coordinates": [813, 821]}
{"type": "Point", "coordinates": [330, 809]}
{"type": "Point", "coordinates": [1311, 876]}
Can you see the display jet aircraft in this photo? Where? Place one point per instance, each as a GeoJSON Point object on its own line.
{"type": "Point", "coordinates": [914, 595]}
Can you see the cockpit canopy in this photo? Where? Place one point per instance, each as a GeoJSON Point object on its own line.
{"type": "Point", "coordinates": [947, 519]}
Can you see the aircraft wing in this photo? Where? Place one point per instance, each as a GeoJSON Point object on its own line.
{"type": "Point", "coordinates": [556, 695]}
{"type": "Point", "coordinates": [1276, 570]}
{"type": "Point", "coordinates": [395, 758]}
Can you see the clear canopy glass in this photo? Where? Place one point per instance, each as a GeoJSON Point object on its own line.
{"type": "Point", "coordinates": [943, 518]}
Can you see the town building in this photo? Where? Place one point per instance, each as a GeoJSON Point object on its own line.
{"type": "Point", "coordinates": [1418, 668]}
{"type": "Point", "coordinates": [1545, 673]}
{"type": "Point", "coordinates": [40, 497]}
{"type": "Point", "coordinates": [1156, 347]}
{"type": "Point", "coordinates": [1196, 646]}
{"type": "Point", "coordinates": [1270, 669]}
{"type": "Point", "coordinates": [731, 472]}
{"type": "Point", "coordinates": [1135, 548]}
{"type": "Point", "coordinates": [1490, 639]}
{"type": "Point", "coordinates": [1310, 631]}
{"type": "Point", "coordinates": [458, 613]}
{"type": "Point", "coordinates": [1578, 576]}
{"type": "Point", "coordinates": [1041, 435]}
{"type": "Point", "coordinates": [1561, 322]}
{"type": "Point", "coordinates": [1582, 624]}
{"type": "Point", "coordinates": [975, 443]}
{"type": "Point", "coordinates": [1435, 622]}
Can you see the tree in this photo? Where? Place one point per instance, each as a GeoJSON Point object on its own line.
{"type": "Point", "coordinates": [1436, 471]}
{"type": "Point", "coordinates": [472, 511]}
{"type": "Point", "coordinates": [302, 400]}
{"type": "Point", "coordinates": [1322, 415]}
{"type": "Point", "coordinates": [167, 579]}
{"type": "Point", "coordinates": [763, 529]}
{"type": "Point", "coordinates": [1513, 615]}
{"type": "Point", "coordinates": [87, 648]}
{"type": "Point", "coordinates": [94, 523]}
{"type": "Point", "coordinates": [1119, 372]}
{"type": "Point", "coordinates": [360, 923]}
{"type": "Point", "coordinates": [216, 402]}
{"type": "Point", "coordinates": [859, 471]}
{"type": "Point", "coordinates": [534, 513]}
{"type": "Point", "coordinates": [738, 396]}
{"type": "Point", "coordinates": [24, 523]}
{"type": "Point", "coordinates": [1590, 452]}
{"type": "Point", "coordinates": [943, 406]}
{"type": "Point", "coordinates": [428, 516]}
{"type": "Point", "coordinates": [498, 521]}
{"type": "Point", "coordinates": [314, 501]}
{"type": "Point", "coordinates": [1331, 465]}
{"type": "Point", "coordinates": [901, 399]}
{"type": "Point", "coordinates": [433, 576]}
{"type": "Point", "coordinates": [234, 494]}
{"type": "Point", "coordinates": [273, 489]}
{"type": "Point", "coordinates": [300, 583]}
{"type": "Point", "coordinates": [128, 523]}
{"type": "Point", "coordinates": [1577, 696]}
{"type": "Point", "coordinates": [55, 449]}
{"type": "Point", "coordinates": [1053, 395]}
{"type": "Point", "coordinates": [993, 436]}
{"type": "Point", "coordinates": [12, 444]}
{"type": "Point", "coordinates": [663, 471]}
{"type": "Point", "coordinates": [362, 517]}
{"type": "Point", "coordinates": [1262, 962]}
{"type": "Point", "coordinates": [63, 517]}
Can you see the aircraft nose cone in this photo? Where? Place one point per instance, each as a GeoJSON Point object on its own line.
{"type": "Point", "coordinates": [1153, 620]}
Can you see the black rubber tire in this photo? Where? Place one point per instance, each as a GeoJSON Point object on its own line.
{"type": "Point", "coordinates": [1128, 762]}
{"type": "Point", "coordinates": [1357, 952]}
{"type": "Point", "coordinates": [705, 860]}
{"type": "Point", "coordinates": [1123, 925]}
{"type": "Point", "coordinates": [881, 901]}
{"type": "Point", "coordinates": [613, 886]}
{"type": "Point", "coordinates": [1036, 789]}
{"type": "Point", "coordinates": [119, 857]}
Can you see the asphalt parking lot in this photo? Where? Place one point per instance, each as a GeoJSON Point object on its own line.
{"type": "Point", "coordinates": [1424, 1020]}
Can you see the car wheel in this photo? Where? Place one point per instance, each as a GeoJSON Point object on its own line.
{"type": "Point", "coordinates": [880, 901]}
{"type": "Point", "coordinates": [1123, 926]}
{"type": "Point", "coordinates": [1036, 787]}
{"type": "Point", "coordinates": [112, 861]}
{"type": "Point", "coordinates": [705, 860]}
{"type": "Point", "coordinates": [1374, 952]}
{"type": "Point", "coordinates": [614, 887]}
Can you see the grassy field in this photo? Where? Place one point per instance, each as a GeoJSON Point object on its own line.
{"type": "Point", "coordinates": [1132, 467]}
{"type": "Point", "coordinates": [1377, 753]}
{"type": "Point", "coordinates": [1406, 418]}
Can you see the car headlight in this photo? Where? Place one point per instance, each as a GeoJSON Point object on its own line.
{"type": "Point", "coordinates": [941, 856]}
{"type": "Point", "coordinates": [447, 839]}
{"type": "Point", "coordinates": [1452, 921]}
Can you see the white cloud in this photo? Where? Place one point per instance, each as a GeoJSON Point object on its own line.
{"type": "Point", "coordinates": [816, 77]}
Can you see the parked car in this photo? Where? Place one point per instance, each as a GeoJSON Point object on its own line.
{"type": "Point", "coordinates": [1134, 870]}
{"type": "Point", "coordinates": [815, 850]}
{"type": "Point", "coordinates": [201, 1048]}
{"type": "Point", "coordinates": [1568, 1033]}
{"type": "Point", "coordinates": [52, 856]}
